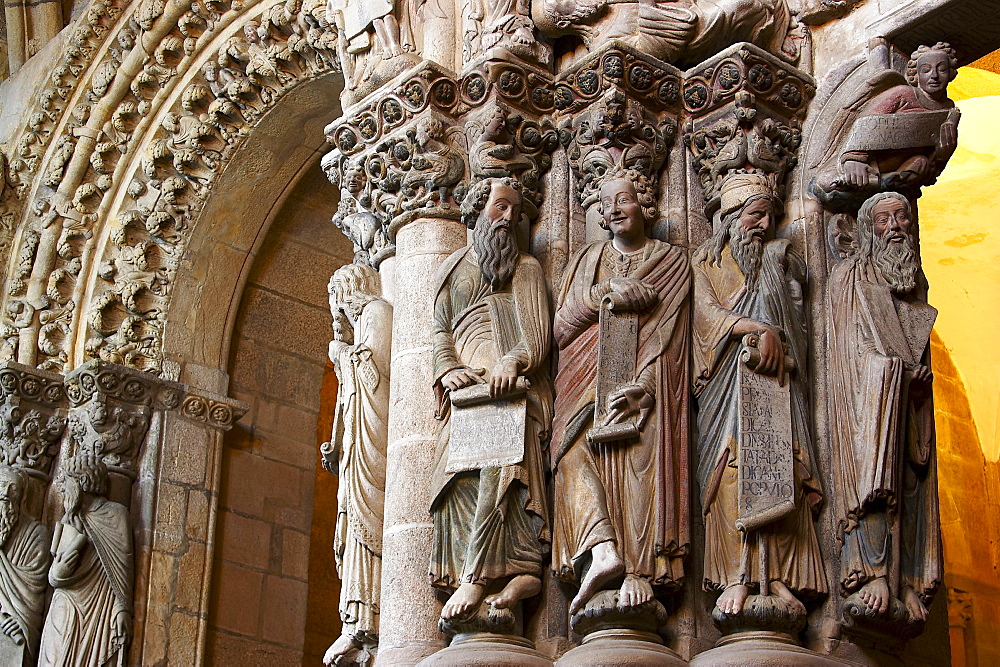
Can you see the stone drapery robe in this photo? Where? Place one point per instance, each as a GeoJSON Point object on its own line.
{"type": "Point", "coordinates": [721, 300]}
{"type": "Point", "coordinates": [490, 524]}
{"type": "Point", "coordinates": [24, 566]}
{"type": "Point", "coordinates": [80, 624]}
{"type": "Point", "coordinates": [884, 444]}
{"type": "Point", "coordinates": [634, 493]}
{"type": "Point", "coordinates": [361, 431]}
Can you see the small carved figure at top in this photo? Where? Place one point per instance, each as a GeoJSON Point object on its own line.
{"type": "Point", "coordinates": [435, 165]}
{"type": "Point", "coordinates": [884, 459]}
{"type": "Point", "coordinates": [372, 43]}
{"type": "Point", "coordinates": [357, 215]}
{"type": "Point", "coordinates": [494, 153]}
{"type": "Point", "coordinates": [501, 25]}
{"type": "Point", "coordinates": [491, 336]}
{"type": "Point", "coordinates": [897, 135]}
{"type": "Point", "coordinates": [685, 32]}
{"type": "Point", "coordinates": [756, 473]}
{"type": "Point", "coordinates": [619, 445]}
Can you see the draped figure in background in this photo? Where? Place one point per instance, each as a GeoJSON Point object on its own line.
{"type": "Point", "coordinates": [361, 353]}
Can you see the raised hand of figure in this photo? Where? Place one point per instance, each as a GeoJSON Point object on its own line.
{"type": "Point", "coordinates": [627, 402]}
{"type": "Point", "coordinates": [921, 373]}
{"type": "Point", "coordinates": [462, 377]}
{"type": "Point", "coordinates": [772, 354]}
{"type": "Point", "coordinates": [503, 377]}
{"type": "Point", "coordinates": [631, 294]}
{"type": "Point", "coordinates": [857, 174]}
{"type": "Point", "coordinates": [948, 135]}
{"type": "Point", "coordinates": [343, 332]}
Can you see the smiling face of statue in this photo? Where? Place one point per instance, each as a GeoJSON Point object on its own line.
{"type": "Point", "coordinates": [494, 239]}
{"type": "Point", "coordinates": [354, 179]}
{"type": "Point", "coordinates": [622, 214]}
{"type": "Point", "coordinates": [934, 73]}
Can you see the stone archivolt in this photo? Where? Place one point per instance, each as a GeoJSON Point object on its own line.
{"type": "Point", "coordinates": [137, 138]}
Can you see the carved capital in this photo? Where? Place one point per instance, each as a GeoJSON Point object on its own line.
{"type": "Point", "coordinates": [31, 420]}
{"type": "Point", "coordinates": [746, 108]}
{"type": "Point", "coordinates": [615, 130]}
{"type": "Point", "coordinates": [111, 406]}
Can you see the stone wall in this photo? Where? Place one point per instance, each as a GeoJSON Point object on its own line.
{"type": "Point", "coordinates": [262, 566]}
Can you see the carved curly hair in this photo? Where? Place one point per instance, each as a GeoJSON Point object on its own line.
{"type": "Point", "coordinates": [89, 471]}
{"type": "Point", "coordinates": [645, 191]}
{"type": "Point", "coordinates": [922, 50]}
{"type": "Point", "coordinates": [475, 199]}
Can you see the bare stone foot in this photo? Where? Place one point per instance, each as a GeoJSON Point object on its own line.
{"type": "Point", "coordinates": [914, 605]}
{"type": "Point", "coordinates": [635, 591]}
{"type": "Point", "coordinates": [339, 649]}
{"type": "Point", "coordinates": [732, 599]}
{"type": "Point", "coordinates": [463, 601]}
{"type": "Point", "coordinates": [522, 36]}
{"type": "Point", "coordinates": [606, 565]}
{"type": "Point", "coordinates": [875, 595]}
{"type": "Point", "coordinates": [781, 590]}
{"type": "Point", "coordinates": [519, 588]}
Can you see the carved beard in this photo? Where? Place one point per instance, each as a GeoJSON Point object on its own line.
{"type": "Point", "coordinates": [497, 251]}
{"type": "Point", "coordinates": [72, 495]}
{"type": "Point", "coordinates": [9, 514]}
{"type": "Point", "coordinates": [897, 263]}
{"type": "Point", "coordinates": [747, 251]}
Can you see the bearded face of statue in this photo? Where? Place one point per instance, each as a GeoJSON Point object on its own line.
{"type": "Point", "coordinates": [747, 233]}
{"type": "Point", "coordinates": [894, 251]}
{"type": "Point", "coordinates": [494, 240]}
{"type": "Point", "coordinates": [10, 505]}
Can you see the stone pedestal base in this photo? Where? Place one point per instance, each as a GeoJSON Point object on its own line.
{"type": "Point", "coordinates": [486, 648]}
{"type": "Point", "coordinates": [614, 648]}
{"type": "Point", "coordinates": [770, 649]}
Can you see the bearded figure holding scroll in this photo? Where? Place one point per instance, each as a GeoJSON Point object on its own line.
{"type": "Point", "coordinates": [881, 401]}
{"type": "Point", "coordinates": [491, 332]}
{"type": "Point", "coordinates": [748, 299]}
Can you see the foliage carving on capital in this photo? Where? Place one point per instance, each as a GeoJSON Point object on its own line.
{"type": "Point", "coordinates": [31, 423]}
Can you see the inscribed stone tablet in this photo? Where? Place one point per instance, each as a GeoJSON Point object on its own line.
{"type": "Point", "coordinates": [766, 461]}
{"type": "Point", "coordinates": [486, 432]}
{"type": "Point", "coordinates": [895, 131]}
{"type": "Point", "coordinates": [618, 342]}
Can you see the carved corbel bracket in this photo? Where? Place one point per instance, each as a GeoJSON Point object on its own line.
{"type": "Point", "coordinates": [653, 84]}
{"type": "Point", "coordinates": [745, 108]}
